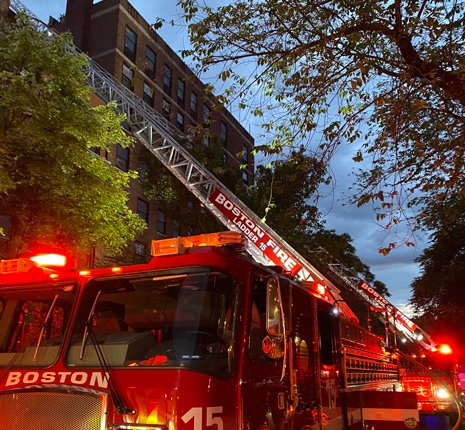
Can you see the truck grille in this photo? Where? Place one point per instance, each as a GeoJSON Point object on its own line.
{"type": "Point", "coordinates": [44, 410]}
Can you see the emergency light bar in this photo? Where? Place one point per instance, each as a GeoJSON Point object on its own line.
{"type": "Point", "coordinates": [179, 245]}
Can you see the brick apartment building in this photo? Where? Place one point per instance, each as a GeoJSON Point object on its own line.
{"type": "Point", "coordinates": [115, 35]}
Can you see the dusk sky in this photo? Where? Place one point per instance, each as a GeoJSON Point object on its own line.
{"type": "Point", "coordinates": [397, 269]}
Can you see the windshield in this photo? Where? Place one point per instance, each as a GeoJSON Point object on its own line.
{"type": "Point", "coordinates": [32, 323]}
{"type": "Point", "coordinates": [181, 318]}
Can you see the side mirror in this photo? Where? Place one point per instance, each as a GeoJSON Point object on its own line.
{"type": "Point", "coordinates": [274, 306]}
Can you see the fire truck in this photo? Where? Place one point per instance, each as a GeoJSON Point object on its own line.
{"type": "Point", "coordinates": [201, 337]}
{"type": "Point", "coordinates": [235, 330]}
{"type": "Point", "coordinates": [434, 376]}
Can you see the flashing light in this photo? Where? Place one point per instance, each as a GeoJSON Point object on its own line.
{"type": "Point", "coordinates": [49, 260]}
{"type": "Point", "coordinates": [403, 340]}
{"type": "Point", "coordinates": [321, 289]}
{"type": "Point", "coordinates": [116, 269]}
{"type": "Point", "coordinates": [335, 311]}
{"type": "Point", "coordinates": [420, 337]}
{"type": "Point", "coordinates": [179, 245]}
{"type": "Point", "coordinates": [445, 349]}
{"type": "Point", "coordinates": [442, 393]}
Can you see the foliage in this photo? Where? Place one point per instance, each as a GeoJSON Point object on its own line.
{"type": "Point", "coordinates": [388, 75]}
{"type": "Point", "coordinates": [54, 189]}
{"type": "Point", "coordinates": [281, 196]}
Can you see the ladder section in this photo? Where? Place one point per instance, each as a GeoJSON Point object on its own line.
{"type": "Point", "coordinates": [386, 311]}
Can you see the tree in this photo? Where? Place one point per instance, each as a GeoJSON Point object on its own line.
{"type": "Point", "coordinates": [4, 10]}
{"type": "Point", "coordinates": [438, 292]}
{"type": "Point", "coordinates": [281, 196]}
{"type": "Point", "coordinates": [389, 75]}
{"type": "Point", "coordinates": [52, 187]}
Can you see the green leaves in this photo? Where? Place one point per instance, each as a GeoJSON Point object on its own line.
{"type": "Point", "coordinates": [322, 75]}
{"type": "Point", "coordinates": [53, 188]}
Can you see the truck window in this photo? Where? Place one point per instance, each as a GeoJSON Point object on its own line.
{"type": "Point", "coordinates": [27, 337]}
{"type": "Point", "coordinates": [257, 326]}
{"type": "Point", "coordinates": [182, 318]}
{"type": "Point", "coordinates": [326, 329]}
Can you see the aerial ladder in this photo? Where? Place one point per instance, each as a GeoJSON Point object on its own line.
{"type": "Point", "coordinates": [163, 140]}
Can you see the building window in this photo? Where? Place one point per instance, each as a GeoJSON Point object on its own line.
{"type": "Point", "coordinates": [194, 105]}
{"type": "Point", "coordinates": [205, 114]}
{"type": "Point", "coordinates": [223, 133]}
{"type": "Point", "coordinates": [245, 153]}
{"type": "Point", "coordinates": [161, 222]}
{"type": "Point", "coordinates": [150, 62]}
{"type": "Point", "coordinates": [181, 91]}
{"type": "Point", "coordinates": [94, 150]}
{"type": "Point", "coordinates": [143, 170]}
{"type": "Point", "coordinates": [122, 158]}
{"type": "Point", "coordinates": [176, 230]}
{"type": "Point", "coordinates": [143, 210]}
{"type": "Point", "coordinates": [166, 109]}
{"type": "Point", "coordinates": [148, 93]}
{"type": "Point", "coordinates": [180, 121]}
{"type": "Point", "coordinates": [139, 248]}
{"type": "Point", "coordinates": [130, 44]}
{"type": "Point", "coordinates": [127, 77]}
{"type": "Point", "coordinates": [167, 79]}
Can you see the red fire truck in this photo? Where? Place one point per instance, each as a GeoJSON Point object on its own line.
{"type": "Point", "coordinates": [202, 337]}
{"type": "Point", "coordinates": [433, 375]}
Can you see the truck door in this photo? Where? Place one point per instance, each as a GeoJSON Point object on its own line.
{"type": "Point", "coordinates": [329, 359]}
{"type": "Point", "coordinates": [264, 395]}
{"type": "Point", "coordinates": [305, 358]}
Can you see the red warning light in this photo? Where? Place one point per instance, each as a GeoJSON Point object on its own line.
{"type": "Point", "coordinates": [321, 289]}
{"type": "Point", "coordinates": [445, 349]}
{"type": "Point", "coordinates": [49, 260]}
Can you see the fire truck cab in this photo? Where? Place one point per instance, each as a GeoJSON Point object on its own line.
{"type": "Point", "coordinates": [200, 338]}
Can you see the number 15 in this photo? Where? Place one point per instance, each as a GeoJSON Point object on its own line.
{"type": "Point", "coordinates": [196, 415]}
